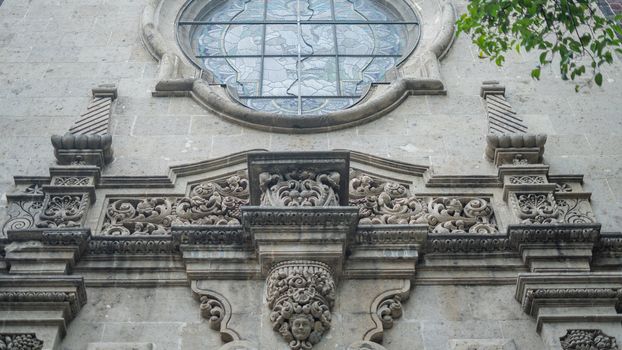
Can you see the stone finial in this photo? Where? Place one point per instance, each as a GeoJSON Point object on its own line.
{"type": "Point", "coordinates": [88, 141]}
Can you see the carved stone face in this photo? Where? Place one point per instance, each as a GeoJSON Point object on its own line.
{"type": "Point", "coordinates": [301, 328]}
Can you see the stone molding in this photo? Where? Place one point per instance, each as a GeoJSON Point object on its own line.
{"type": "Point", "coordinates": [34, 294]}
{"type": "Point", "coordinates": [590, 292]}
{"type": "Point", "coordinates": [178, 77]}
{"type": "Point", "coordinates": [385, 309]}
{"type": "Point", "coordinates": [515, 149]}
{"type": "Point", "coordinates": [217, 310]}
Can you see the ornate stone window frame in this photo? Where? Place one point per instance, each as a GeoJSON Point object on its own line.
{"type": "Point", "coordinates": [419, 74]}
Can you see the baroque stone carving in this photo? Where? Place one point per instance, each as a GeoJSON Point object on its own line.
{"type": "Point", "coordinates": [563, 187]}
{"type": "Point", "coordinates": [526, 179]}
{"type": "Point", "coordinates": [212, 310]}
{"type": "Point", "coordinates": [587, 339]}
{"type": "Point", "coordinates": [22, 215]}
{"type": "Point", "coordinates": [20, 341]}
{"type": "Point", "coordinates": [568, 293]}
{"type": "Point", "coordinates": [135, 246]}
{"type": "Point", "coordinates": [382, 203]}
{"type": "Point", "coordinates": [71, 181]}
{"type": "Point", "coordinates": [34, 189]}
{"type": "Point", "coordinates": [468, 245]}
{"type": "Point", "coordinates": [301, 295]}
{"type": "Point", "coordinates": [226, 235]}
{"type": "Point", "coordinates": [75, 301]}
{"type": "Point", "coordinates": [385, 309]}
{"type": "Point", "coordinates": [209, 203]}
{"type": "Point", "coordinates": [63, 210]}
{"type": "Point", "coordinates": [553, 233]}
{"type": "Point", "coordinates": [575, 211]}
{"type": "Point", "coordinates": [300, 188]}
{"type": "Point", "coordinates": [536, 208]}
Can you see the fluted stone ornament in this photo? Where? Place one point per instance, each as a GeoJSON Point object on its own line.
{"type": "Point", "coordinates": [301, 295]}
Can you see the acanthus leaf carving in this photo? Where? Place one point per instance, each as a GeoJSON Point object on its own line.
{"type": "Point", "coordinates": [300, 188]}
{"type": "Point", "coordinates": [301, 295]}
{"type": "Point", "coordinates": [20, 341]}
{"type": "Point", "coordinates": [382, 203]}
{"type": "Point", "coordinates": [587, 339]}
{"type": "Point", "coordinates": [209, 203]}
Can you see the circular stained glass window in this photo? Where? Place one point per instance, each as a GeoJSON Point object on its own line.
{"type": "Point", "coordinates": [301, 57]}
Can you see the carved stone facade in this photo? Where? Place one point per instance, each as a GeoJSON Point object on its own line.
{"type": "Point", "coordinates": [431, 215]}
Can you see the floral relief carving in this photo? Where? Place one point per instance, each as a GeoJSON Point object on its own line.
{"type": "Point", "coordinates": [209, 203]}
{"type": "Point", "coordinates": [22, 215]}
{"type": "Point", "coordinates": [20, 341]}
{"type": "Point", "coordinates": [63, 210]}
{"type": "Point", "coordinates": [301, 295]}
{"type": "Point", "coordinates": [382, 202]}
{"type": "Point", "coordinates": [536, 208]}
{"type": "Point", "coordinates": [563, 187]}
{"type": "Point", "coordinates": [587, 339]}
{"type": "Point", "coordinates": [300, 188]}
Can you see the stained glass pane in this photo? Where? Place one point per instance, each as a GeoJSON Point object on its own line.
{"type": "Point", "coordinates": [287, 62]}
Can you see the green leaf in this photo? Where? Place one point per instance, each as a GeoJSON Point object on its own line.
{"type": "Point", "coordinates": [535, 73]}
{"type": "Point", "coordinates": [598, 78]}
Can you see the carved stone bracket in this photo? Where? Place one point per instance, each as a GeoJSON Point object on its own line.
{"type": "Point", "coordinates": [217, 310]}
{"type": "Point", "coordinates": [301, 295]}
{"type": "Point", "coordinates": [515, 149]}
{"type": "Point", "coordinates": [385, 309]}
{"type": "Point", "coordinates": [20, 341]}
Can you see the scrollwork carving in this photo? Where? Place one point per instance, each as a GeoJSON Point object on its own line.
{"type": "Point", "coordinates": [587, 339]}
{"type": "Point", "coordinates": [22, 215]}
{"type": "Point", "coordinates": [563, 187]}
{"type": "Point", "coordinates": [301, 295]}
{"type": "Point", "coordinates": [575, 211]}
{"type": "Point", "coordinates": [212, 310]}
{"type": "Point", "coordinates": [20, 341]}
{"type": "Point", "coordinates": [300, 188]}
{"type": "Point", "coordinates": [209, 203]}
{"type": "Point", "coordinates": [63, 210]}
{"type": "Point", "coordinates": [382, 203]}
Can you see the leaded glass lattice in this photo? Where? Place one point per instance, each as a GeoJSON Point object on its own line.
{"type": "Point", "coordinates": [304, 57]}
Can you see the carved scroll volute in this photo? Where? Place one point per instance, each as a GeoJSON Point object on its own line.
{"type": "Point", "coordinates": [217, 310]}
{"type": "Point", "coordinates": [385, 309]}
{"type": "Point", "coordinates": [301, 295]}
{"type": "Point", "coordinates": [300, 188]}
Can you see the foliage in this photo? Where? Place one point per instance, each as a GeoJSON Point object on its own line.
{"type": "Point", "coordinates": [571, 31]}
